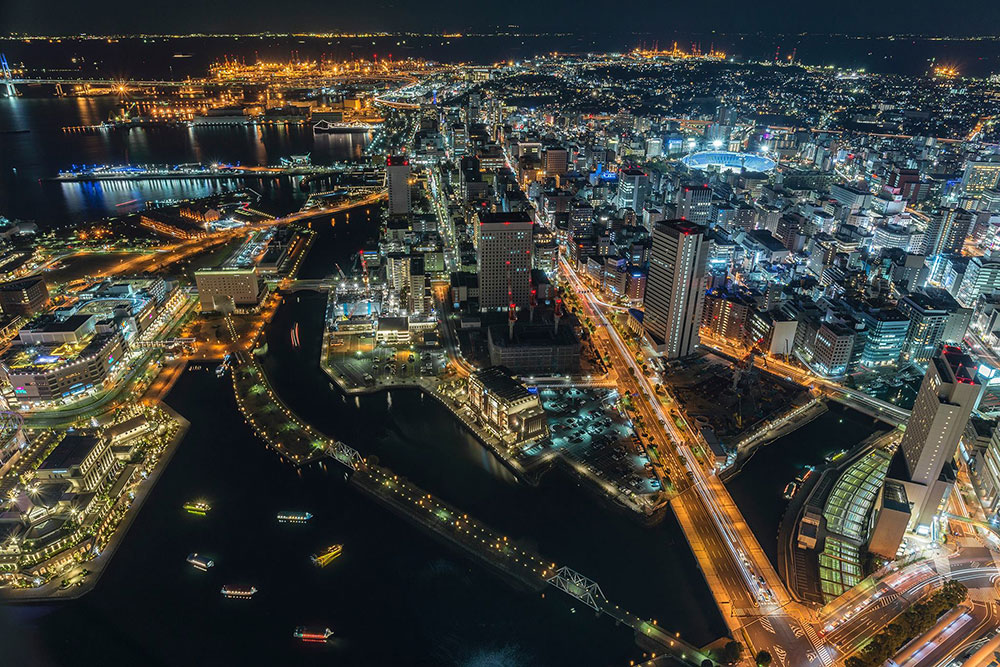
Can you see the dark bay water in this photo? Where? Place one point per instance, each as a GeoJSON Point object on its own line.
{"type": "Point", "coordinates": [26, 159]}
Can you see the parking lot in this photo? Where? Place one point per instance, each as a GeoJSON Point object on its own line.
{"type": "Point", "coordinates": [587, 426]}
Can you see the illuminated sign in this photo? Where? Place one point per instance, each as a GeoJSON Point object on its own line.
{"type": "Point", "coordinates": [46, 360]}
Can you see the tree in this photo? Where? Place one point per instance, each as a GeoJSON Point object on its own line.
{"type": "Point", "coordinates": [763, 658]}
{"type": "Point", "coordinates": [731, 652]}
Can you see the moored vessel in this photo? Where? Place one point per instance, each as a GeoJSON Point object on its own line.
{"type": "Point", "coordinates": [199, 507]}
{"type": "Point", "coordinates": [200, 562]}
{"type": "Point", "coordinates": [312, 634]}
{"type": "Point", "coordinates": [241, 592]}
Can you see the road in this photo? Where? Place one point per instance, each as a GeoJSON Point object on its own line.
{"type": "Point", "coordinates": [745, 585]}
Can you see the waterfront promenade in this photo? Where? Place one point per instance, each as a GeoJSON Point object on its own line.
{"type": "Point", "coordinates": [299, 444]}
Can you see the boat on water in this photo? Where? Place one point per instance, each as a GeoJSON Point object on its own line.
{"type": "Point", "coordinates": [790, 490]}
{"type": "Point", "coordinates": [294, 517]}
{"type": "Point", "coordinates": [326, 127]}
{"type": "Point", "coordinates": [200, 562]}
{"type": "Point", "coordinates": [199, 507]}
{"type": "Point", "coordinates": [328, 555]}
{"type": "Point", "coordinates": [240, 592]}
{"type": "Point", "coordinates": [315, 635]}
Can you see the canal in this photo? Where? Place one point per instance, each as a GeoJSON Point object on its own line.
{"type": "Point", "coordinates": [648, 570]}
{"type": "Point", "coordinates": [759, 486]}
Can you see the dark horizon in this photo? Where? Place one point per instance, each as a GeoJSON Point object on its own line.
{"type": "Point", "coordinates": [963, 18]}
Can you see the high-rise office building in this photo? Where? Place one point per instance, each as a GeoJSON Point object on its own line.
{"type": "Point", "coordinates": [505, 245]}
{"type": "Point", "coordinates": [556, 161]}
{"type": "Point", "coordinates": [398, 172]}
{"type": "Point", "coordinates": [694, 203]}
{"type": "Point", "coordinates": [980, 176]}
{"type": "Point", "coordinates": [675, 289]}
{"type": "Point", "coordinates": [946, 232]}
{"type": "Point", "coordinates": [632, 185]}
{"type": "Point", "coordinates": [935, 317]}
{"type": "Point", "coordinates": [940, 414]}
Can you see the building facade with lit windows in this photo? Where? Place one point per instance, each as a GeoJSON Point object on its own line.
{"type": "Point", "coordinates": [941, 411]}
{"type": "Point", "coordinates": [504, 260]}
{"type": "Point", "coordinates": [53, 358]}
{"type": "Point", "coordinates": [675, 293]}
{"type": "Point", "coordinates": [505, 406]}
{"type": "Point", "coordinates": [397, 169]}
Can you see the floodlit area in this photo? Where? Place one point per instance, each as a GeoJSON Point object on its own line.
{"type": "Point", "coordinates": [589, 427]}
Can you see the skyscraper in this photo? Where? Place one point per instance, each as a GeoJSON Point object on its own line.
{"type": "Point", "coordinates": [504, 260]}
{"type": "Point", "coordinates": [675, 288]}
{"type": "Point", "coordinates": [632, 185]}
{"type": "Point", "coordinates": [694, 203]}
{"type": "Point", "coordinates": [398, 172]}
{"type": "Point", "coordinates": [946, 232]}
{"type": "Point", "coordinates": [940, 414]}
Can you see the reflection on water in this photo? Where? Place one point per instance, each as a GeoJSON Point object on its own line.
{"type": "Point", "coordinates": [27, 159]}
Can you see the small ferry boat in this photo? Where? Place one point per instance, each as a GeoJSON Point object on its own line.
{"type": "Point", "coordinates": [327, 556]}
{"type": "Point", "coordinates": [199, 507]}
{"type": "Point", "coordinates": [315, 635]}
{"type": "Point", "coordinates": [200, 562]}
{"type": "Point", "coordinates": [294, 517]}
{"type": "Point", "coordinates": [241, 592]}
{"type": "Point", "coordinates": [790, 490]}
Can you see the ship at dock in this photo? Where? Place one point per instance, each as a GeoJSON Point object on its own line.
{"type": "Point", "coordinates": [239, 592]}
{"type": "Point", "coordinates": [200, 562]}
{"type": "Point", "coordinates": [294, 517]}
{"type": "Point", "coordinates": [327, 556]}
{"type": "Point", "coordinates": [314, 635]}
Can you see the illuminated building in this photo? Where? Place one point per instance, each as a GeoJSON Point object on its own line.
{"type": "Point", "coordinates": [675, 287]}
{"type": "Point", "coordinates": [935, 317]}
{"type": "Point", "coordinates": [228, 289]}
{"type": "Point", "coordinates": [505, 406]}
{"type": "Point", "coordinates": [398, 173]}
{"type": "Point", "coordinates": [504, 260]}
{"type": "Point", "coordinates": [946, 232]}
{"type": "Point", "coordinates": [941, 411]}
{"type": "Point", "coordinates": [632, 186]}
{"type": "Point", "coordinates": [694, 203]}
{"type": "Point", "coordinates": [55, 358]}
{"type": "Point", "coordinates": [26, 296]}
{"type": "Point", "coordinates": [980, 176]}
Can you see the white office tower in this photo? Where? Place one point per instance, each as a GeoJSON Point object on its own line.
{"type": "Point", "coordinates": [675, 287]}
{"type": "Point", "coordinates": [398, 172]}
{"type": "Point", "coordinates": [505, 246]}
{"type": "Point", "coordinates": [940, 414]}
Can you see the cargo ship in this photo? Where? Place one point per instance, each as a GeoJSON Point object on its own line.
{"type": "Point", "coordinates": [200, 562]}
{"type": "Point", "coordinates": [294, 517]}
{"type": "Point", "coordinates": [327, 556]}
{"type": "Point", "coordinates": [199, 507]}
{"type": "Point", "coordinates": [316, 635]}
{"type": "Point", "coordinates": [241, 592]}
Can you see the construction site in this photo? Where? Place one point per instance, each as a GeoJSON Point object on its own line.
{"type": "Point", "coordinates": [729, 399]}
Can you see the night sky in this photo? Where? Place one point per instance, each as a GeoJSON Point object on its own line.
{"type": "Point", "coordinates": [937, 17]}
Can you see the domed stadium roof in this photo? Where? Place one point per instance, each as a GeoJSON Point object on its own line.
{"type": "Point", "coordinates": [728, 160]}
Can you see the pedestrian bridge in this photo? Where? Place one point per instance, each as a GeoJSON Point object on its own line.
{"type": "Point", "coordinates": [589, 593]}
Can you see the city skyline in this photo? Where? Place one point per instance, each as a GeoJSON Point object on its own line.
{"type": "Point", "coordinates": [304, 339]}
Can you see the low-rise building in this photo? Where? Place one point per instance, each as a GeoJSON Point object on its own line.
{"type": "Point", "coordinates": [505, 406]}
{"type": "Point", "coordinates": [229, 289]}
